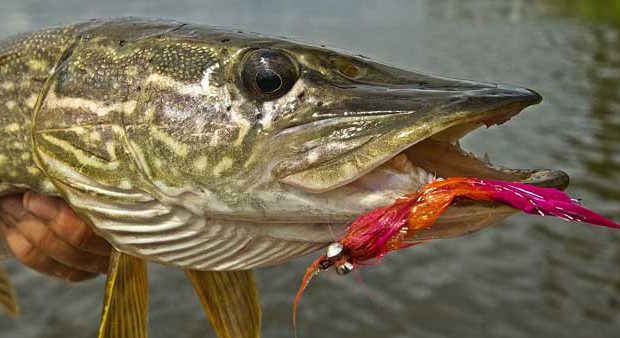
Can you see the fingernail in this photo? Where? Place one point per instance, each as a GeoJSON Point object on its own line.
{"type": "Point", "coordinates": [41, 206]}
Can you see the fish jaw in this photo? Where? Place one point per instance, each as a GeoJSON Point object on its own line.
{"type": "Point", "coordinates": [371, 141]}
{"type": "Point", "coordinates": [393, 125]}
{"type": "Point", "coordinates": [348, 125]}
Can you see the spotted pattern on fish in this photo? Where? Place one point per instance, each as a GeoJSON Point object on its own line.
{"type": "Point", "coordinates": [26, 62]}
{"type": "Point", "coordinates": [129, 121]}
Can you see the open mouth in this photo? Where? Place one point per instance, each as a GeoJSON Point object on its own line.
{"type": "Point", "coordinates": [403, 164]}
{"type": "Point", "coordinates": [441, 156]}
{"type": "Point", "coordinates": [414, 134]}
{"type": "Point", "coordinates": [387, 142]}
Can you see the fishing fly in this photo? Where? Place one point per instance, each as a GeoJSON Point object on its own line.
{"type": "Point", "coordinates": [373, 235]}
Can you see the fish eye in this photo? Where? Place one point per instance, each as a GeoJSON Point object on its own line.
{"type": "Point", "coordinates": [268, 74]}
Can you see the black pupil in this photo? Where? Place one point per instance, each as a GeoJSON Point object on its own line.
{"type": "Point", "coordinates": [268, 81]}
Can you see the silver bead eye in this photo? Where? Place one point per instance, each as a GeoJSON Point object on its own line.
{"type": "Point", "coordinates": [344, 268]}
{"type": "Point", "coordinates": [333, 250]}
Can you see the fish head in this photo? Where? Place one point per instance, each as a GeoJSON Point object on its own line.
{"type": "Point", "coordinates": [344, 134]}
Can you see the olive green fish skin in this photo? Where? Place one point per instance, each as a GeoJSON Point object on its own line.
{"type": "Point", "coordinates": [147, 128]}
{"type": "Point", "coordinates": [142, 112]}
{"type": "Point", "coordinates": [120, 73]}
{"type": "Point", "coordinates": [25, 65]}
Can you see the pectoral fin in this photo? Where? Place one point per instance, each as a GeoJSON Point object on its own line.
{"type": "Point", "coordinates": [230, 300]}
{"type": "Point", "coordinates": [125, 306]}
{"type": "Point", "coordinates": [8, 301]}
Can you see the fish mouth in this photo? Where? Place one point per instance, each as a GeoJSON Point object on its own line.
{"type": "Point", "coordinates": [441, 156]}
{"type": "Point", "coordinates": [408, 156]}
{"type": "Point", "coordinates": [426, 141]}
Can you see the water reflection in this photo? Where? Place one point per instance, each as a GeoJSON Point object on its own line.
{"type": "Point", "coordinates": [601, 155]}
{"type": "Point", "coordinates": [581, 278]}
{"type": "Point", "coordinates": [528, 277]}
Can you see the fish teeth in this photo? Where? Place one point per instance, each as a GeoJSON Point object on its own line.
{"type": "Point", "coordinates": [401, 162]}
{"type": "Point", "coordinates": [422, 175]}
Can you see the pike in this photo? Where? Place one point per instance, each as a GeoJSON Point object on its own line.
{"type": "Point", "coordinates": [221, 151]}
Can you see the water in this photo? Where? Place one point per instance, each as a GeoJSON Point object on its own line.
{"type": "Point", "coordinates": [528, 277]}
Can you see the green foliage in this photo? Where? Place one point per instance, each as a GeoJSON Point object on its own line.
{"type": "Point", "coordinates": [599, 11]}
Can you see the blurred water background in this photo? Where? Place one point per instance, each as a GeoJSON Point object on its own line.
{"type": "Point", "coordinates": [527, 277]}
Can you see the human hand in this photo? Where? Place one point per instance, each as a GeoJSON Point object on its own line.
{"type": "Point", "coordinates": [46, 235]}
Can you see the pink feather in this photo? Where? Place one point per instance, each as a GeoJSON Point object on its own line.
{"type": "Point", "coordinates": [543, 201]}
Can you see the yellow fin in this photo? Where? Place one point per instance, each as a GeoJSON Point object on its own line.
{"type": "Point", "coordinates": [8, 300]}
{"type": "Point", "coordinates": [125, 304]}
{"type": "Point", "coordinates": [230, 300]}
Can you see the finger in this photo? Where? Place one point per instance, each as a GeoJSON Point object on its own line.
{"type": "Point", "coordinates": [47, 242]}
{"type": "Point", "coordinates": [66, 223]}
{"type": "Point", "coordinates": [45, 207]}
{"type": "Point", "coordinates": [28, 255]}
